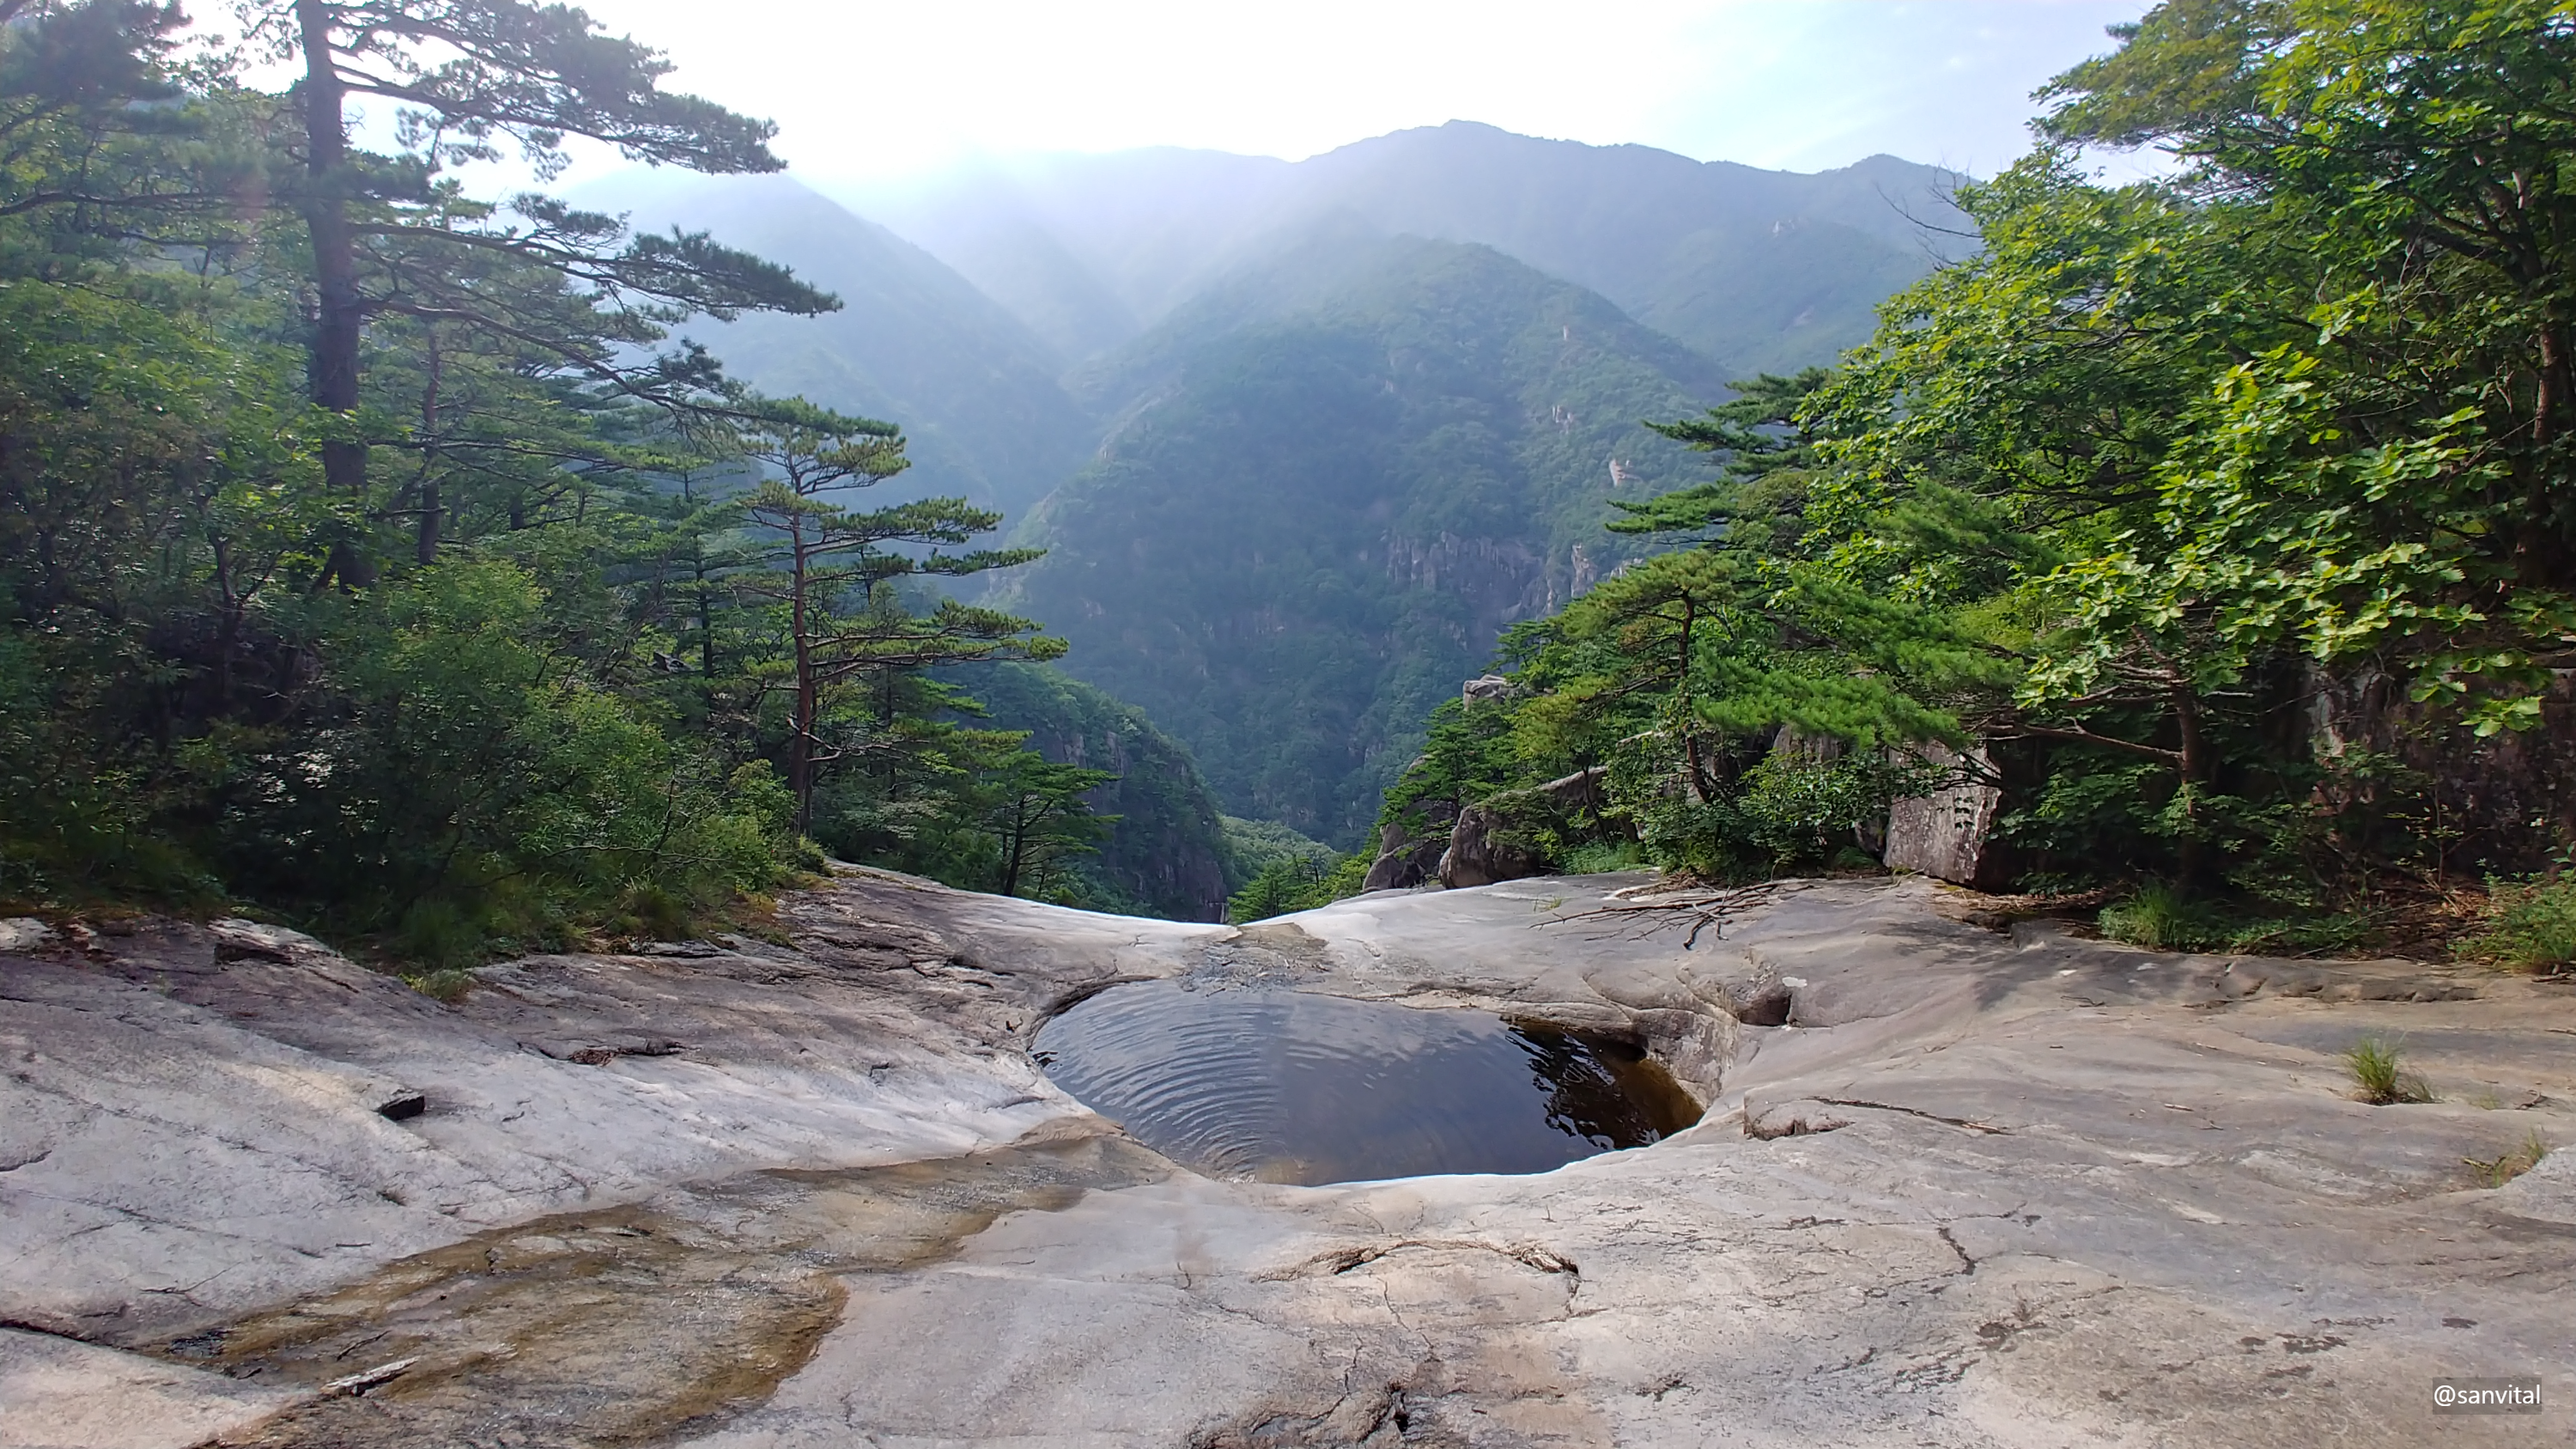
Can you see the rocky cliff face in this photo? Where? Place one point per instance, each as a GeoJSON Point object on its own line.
{"type": "Point", "coordinates": [2498, 804]}
{"type": "Point", "coordinates": [1499, 581]}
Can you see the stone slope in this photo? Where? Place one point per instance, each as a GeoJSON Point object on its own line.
{"type": "Point", "coordinates": [1964, 1187]}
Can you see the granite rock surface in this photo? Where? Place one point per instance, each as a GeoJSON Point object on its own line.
{"type": "Point", "coordinates": [1955, 1186]}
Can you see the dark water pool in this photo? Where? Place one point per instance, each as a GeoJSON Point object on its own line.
{"type": "Point", "coordinates": [1287, 1086]}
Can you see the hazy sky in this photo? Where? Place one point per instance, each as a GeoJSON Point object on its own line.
{"type": "Point", "coordinates": [864, 89]}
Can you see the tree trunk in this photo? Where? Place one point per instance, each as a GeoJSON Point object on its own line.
{"type": "Point", "coordinates": [227, 630]}
{"type": "Point", "coordinates": [800, 748]}
{"type": "Point", "coordinates": [706, 609]}
{"type": "Point", "coordinates": [2542, 545]}
{"type": "Point", "coordinates": [1017, 853]}
{"type": "Point", "coordinates": [706, 622]}
{"type": "Point", "coordinates": [332, 362]}
{"type": "Point", "coordinates": [2193, 768]}
{"type": "Point", "coordinates": [1698, 776]}
{"type": "Point", "coordinates": [425, 544]}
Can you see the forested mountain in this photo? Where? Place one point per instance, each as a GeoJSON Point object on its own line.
{"type": "Point", "coordinates": [1349, 469]}
{"type": "Point", "coordinates": [974, 390]}
{"type": "Point", "coordinates": [1166, 853]}
{"type": "Point", "coordinates": [1758, 269]}
{"type": "Point", "coordinates": [377, 556]}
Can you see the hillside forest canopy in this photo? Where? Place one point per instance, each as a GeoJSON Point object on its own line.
{"type": "Point", "coordinates": [373, 554]}
{"type": "Point", "coordinates": [2224, 522]}
{"type": "Point", "coordinates": [387, 559]}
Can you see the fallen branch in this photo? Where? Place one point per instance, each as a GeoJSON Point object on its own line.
{"type": "Point", "coordinates": [1699, 913]}
{"type": "Point", "coordinates": [358, 1383]}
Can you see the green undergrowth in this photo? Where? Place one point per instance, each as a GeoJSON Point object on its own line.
{"type": "Point", "coordinates": [2161, 918]}
{"type": "Point", "coordinates": [2531, 926]}
{"type": "Point", "coordinates": [1600, 858]}
{"type": "Point", "coordinates": [436, 948]}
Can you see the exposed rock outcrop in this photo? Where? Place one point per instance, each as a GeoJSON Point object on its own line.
{"type": "Point", "coordinates": [1498, 838]}
{"type": "Point", "coordinates": [1409, 847]}
{"type": "Point", "coordinates": [1483, 849]}
{"type": "Point", "coordinates": [1498, 580]}
{"type": "Point", "coordinates": [2505, 799]}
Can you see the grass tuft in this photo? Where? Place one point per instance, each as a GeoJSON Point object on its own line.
{"type": "Point", "coordinates": [2160, 918]}
{"type": "Point", "coordinates": [2379, 1075]}
{"type": "Point", "coordinates": [2499, 1170]}
{"type": "Point", "coordinates": [448, 986]}
{"type": "Point", "coordinates": [650, 912]}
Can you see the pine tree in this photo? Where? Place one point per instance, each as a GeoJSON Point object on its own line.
{"type": "Point", "coordinates": [831, 569]}
{"type": "Point", "coordinates": [389, 235]}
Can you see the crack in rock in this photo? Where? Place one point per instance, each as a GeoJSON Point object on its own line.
{"type": "Point", "coordinates": [1343, 1260]}
{"type": "Point", "coordinates": [1987, 1128]}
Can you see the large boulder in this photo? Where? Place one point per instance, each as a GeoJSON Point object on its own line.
{"type": "Point", "coordinates": [1407, 857]}
{"type": "Point", "coordinates": [1499, 838]}
{"type": "Point", "coordinates": [1483, 848]}
{"type": "Point", "coordinates": [1949, 834]}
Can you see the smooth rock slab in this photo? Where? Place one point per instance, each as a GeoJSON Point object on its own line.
{"type": "Point", "coordinates": [1956, 1187]}
{"type": "Point", "coordinates": [59, 1394]}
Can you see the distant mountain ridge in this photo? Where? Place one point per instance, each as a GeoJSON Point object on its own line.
{"type": "Point", "coordinates": [1758, 269]}
{"type": "Point", "coordinates": [970, 302]}
{"type": "Point", "coordinates": [976, 392]}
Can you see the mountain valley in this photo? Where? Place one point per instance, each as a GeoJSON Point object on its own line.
{"type": "Point", "coordinates": [1302, 439]}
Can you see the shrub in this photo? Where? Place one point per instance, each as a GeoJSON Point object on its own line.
{"type": "Point", "coordinates": [1296, 883]}
{"type": "Point", "coordinates": [2161, 918]}
{"type": "Point", "coordinates": [1602, 857]}
{"type": "Point", "coordinates": [439, 935]}
{"type": "Point", "coordinates": [1786, 812]}
{"type": "Point", "coordinates": [2530, 926]}
{"type": "Point", "coordinates": [461, 792]}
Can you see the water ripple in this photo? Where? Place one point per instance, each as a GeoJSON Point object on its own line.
{"type": "Point", "coordinates": [1289, 1086]}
